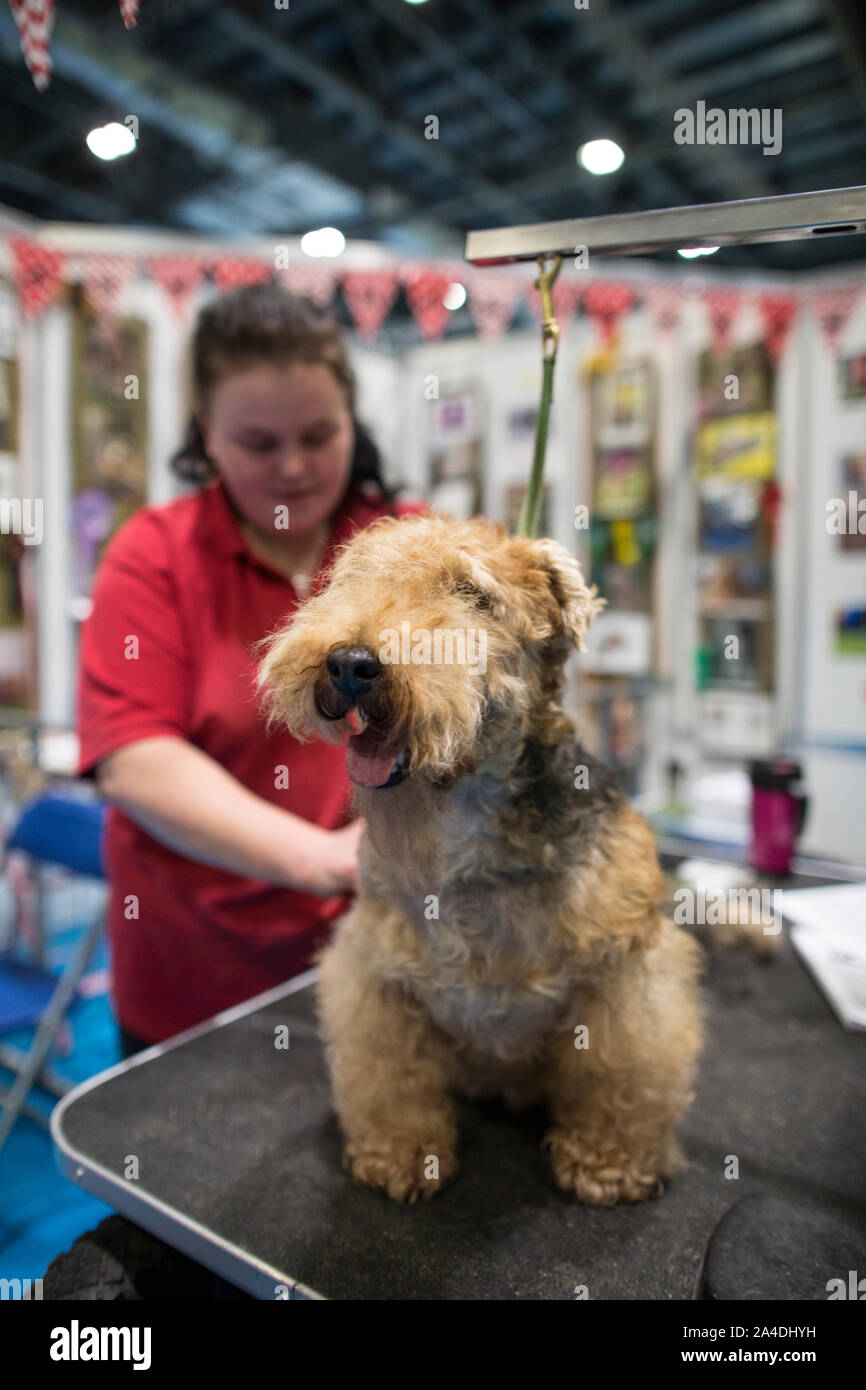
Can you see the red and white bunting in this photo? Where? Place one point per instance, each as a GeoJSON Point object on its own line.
{"type": "Point", "coordinates": [317, 282]}
{"type": "Point", "coordinates": [426, 288]}
{"type": "Point", "coordinates": [38, 272]}
{"type": "Point", "coordinates": [234, 272]}
{"type": "Point", "coordinates": [34, 19]}
{"type": "Point", "coordinates": [180, 277]}
{"type": "Point", "coordinates": [492, 301]}
{"type": "Point", "coordinates": [605, 302]}
{"type": "Point", "coordinates": [369, 295]}
{"type": "Point", "coordinates": [104, 278]}
{"type": "Point", "coordinates": [778, 313]}
{"type": "Point", "coordinates": [833, 308]}
{"type": "Point", "coordinates": [664, 305]}
{"type": "Point", "coordinates": [722, 306]}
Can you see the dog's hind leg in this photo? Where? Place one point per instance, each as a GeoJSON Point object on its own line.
{"type": "Point", "coordinates": [615, 1103]}
{"type": "Point", "coordinates": [391, 1069]}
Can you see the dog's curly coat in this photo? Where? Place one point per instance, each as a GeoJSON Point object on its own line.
{"type": "Point", "coordinates": [507, 938]}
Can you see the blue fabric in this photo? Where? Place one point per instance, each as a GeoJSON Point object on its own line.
{"type": "Point", "coordinates": [62, 830]}
{"type": "Point", "coordinates": [25, 992]}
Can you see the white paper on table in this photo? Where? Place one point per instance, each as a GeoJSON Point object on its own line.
{"type": "Point", "coordinates": [829, 932]}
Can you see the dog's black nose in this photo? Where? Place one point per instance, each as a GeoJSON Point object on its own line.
{"type": "Point", "coordinates": [352, 669]}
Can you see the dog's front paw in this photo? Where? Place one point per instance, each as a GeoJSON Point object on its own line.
{"type": "Point", "coordinates": [405, 1169]}
{"type": "Point", "coordinates": [600, 1177]}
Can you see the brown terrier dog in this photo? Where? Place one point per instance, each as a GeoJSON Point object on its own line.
{"type": "Point", "coordinates": [507, 938]}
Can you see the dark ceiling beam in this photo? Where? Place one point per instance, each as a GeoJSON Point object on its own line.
{"type": "Point", "coordinates": [363, 45]}
{"type": "Point", "coordinates": [825, 152]}
{"type": "Point", "coordinates": [656, 184]}
{"type": "Point", "coordinates": [846, 23]}
{"type": "Point", "coordinates": [58, 122]}
{"type": "Point", "coordinates": [474, 80]}
{"type": "Point", "coordinates": [413, 69]}
{"type": "Point", "coordinates": [58, 198]}
{"type": "Point", "coordinates": [559, 171]}
{"type": "Point", "coordinates": [297, 15]}
{"type": "Point", "coordinates": [103, 191]}
{"type": "Point", "coordinates": [524, 58]}
{"type": "Point", "coordinates": [771, 23]}
{"type": "Point", "coordinates": [163, 98]}
{"type": "Point", "coordinates": [208, 121]}
{"type": "Point", "coordinates": [317, 78]}
{"type": "Point", "coordinates": [562, 144]}
{"type": "Point", "coordinates": [759, 69]}
{"type": "Point", "coordinates": [215, 128]}
{"type": "Point", "coordinates": [561, 167]}
{"type": "Point", "coordinates": [619, 39]}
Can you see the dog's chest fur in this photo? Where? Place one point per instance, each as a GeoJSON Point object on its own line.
{"type": "Point", "coordinates": [481, 949]}
{"type": "Point", "coordinates": [491, 977]}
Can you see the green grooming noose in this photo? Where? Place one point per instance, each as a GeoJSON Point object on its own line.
{"type": "Point", "coordinates": [529, 512]}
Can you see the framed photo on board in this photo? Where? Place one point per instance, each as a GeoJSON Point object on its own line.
{"type": "Point", "coordinates": [455, 451]}
{"type": "Point", "coordinates": [852, 377]}
{"type": "Point", "coordinates": [853, 485]}
{"type": "Point", "coordinates": [109, 432]}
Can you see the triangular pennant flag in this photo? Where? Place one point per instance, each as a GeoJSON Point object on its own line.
{"type": "Point", "coordinates": [833, 308]}
{"type": "Point", "coordinates": [492, 301]}
{"type": "Point", "coordinates": [722, 307]}
{"type": "Point", "coordinates": [316, 282]}
{"type": "Point", "coordinates": [34, 19]}
{"type": "Point", "coordinates": [180, 277]}
{"type": "Point", "coordinates": [778, 312]}
{"type": "Point", "coordinates": [369, 295]}
{"type": "Point", "coordinates": [426, 287]}
{"type": "Point", "coordinates": [606, 301]}
{"type": "Point", "coordinates": [232, 272]}
{"type": "Point", "coordinates": [38, 272]}
{"type": "Point", "coordinates": [103, 278]}
{"type": "Point", "coordinates": [663, 304]}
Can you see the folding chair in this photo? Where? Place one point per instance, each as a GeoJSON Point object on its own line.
{"type": "Point", "coordinates": [64, 831]}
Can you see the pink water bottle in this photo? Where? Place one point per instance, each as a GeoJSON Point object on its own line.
{"type": "Point", "coordinates": [779, 807]}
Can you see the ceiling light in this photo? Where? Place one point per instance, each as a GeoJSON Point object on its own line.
{"type": "Point", "coordinates": [455, 296]}
{"type": "Point", "coordinates": [110, 141]}
{"type": "Point", "coordinates": [600, 156]}
{"type": "Point", "coordinates": [327, 241]}
{"type": "Point", "coordinates": [690, 252]}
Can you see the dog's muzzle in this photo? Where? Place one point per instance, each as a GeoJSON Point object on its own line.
{"type": "Point", "coordinates": [371, 761]}
{"type": "Point", "coordinates": [352, 670]}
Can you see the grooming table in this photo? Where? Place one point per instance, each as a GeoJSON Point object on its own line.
{"type": "Point", "coordinates": [239, 1156]}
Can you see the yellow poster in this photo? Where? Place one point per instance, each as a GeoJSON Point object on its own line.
{"type": "Point", "coordinates": [737, 447]}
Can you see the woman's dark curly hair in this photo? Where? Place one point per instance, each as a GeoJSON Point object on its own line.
{"type": "Point", "coordinates": [266, 323]}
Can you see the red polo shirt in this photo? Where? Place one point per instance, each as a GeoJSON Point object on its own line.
{"type": "Point", "coordinates": [188, 940]}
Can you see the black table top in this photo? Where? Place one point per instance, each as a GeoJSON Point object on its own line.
{"type": "Point", "coordinates": [239, 1157]}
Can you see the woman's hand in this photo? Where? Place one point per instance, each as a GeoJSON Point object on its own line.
{"type": "Point", "coordinates": [186, 800]}
{"type": "Point", "coordinates": [334, 866]}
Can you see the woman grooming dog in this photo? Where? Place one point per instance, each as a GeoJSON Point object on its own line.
{"type": "Point", "coordinates": [229, 850]}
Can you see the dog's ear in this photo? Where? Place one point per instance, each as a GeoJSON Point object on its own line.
{"type": "Point", "coordinates": [474, 581]}
{"type": "Point", "coordinates": [578, 603]}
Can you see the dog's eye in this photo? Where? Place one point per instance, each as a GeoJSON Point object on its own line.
{"type": "Point", "coordinates": [465, 589]}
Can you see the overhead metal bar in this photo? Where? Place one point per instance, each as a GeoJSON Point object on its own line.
{"type": "Point", "coordinates": [792, 217]}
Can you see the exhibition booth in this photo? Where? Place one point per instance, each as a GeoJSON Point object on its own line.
{"type": "Point", "coordinates": [707, 467]}
{"type": "Point", "coordinates": [704, 461]}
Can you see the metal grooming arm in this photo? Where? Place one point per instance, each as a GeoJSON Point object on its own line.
{"type": "Point", "coordinates": [793, 217]}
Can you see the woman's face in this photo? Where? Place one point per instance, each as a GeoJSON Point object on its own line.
{"type": "Point", "coordinates": [281, 436]}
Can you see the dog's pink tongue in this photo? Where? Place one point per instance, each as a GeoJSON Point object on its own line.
{"type": "Point", "coordinates": [369, 760]}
